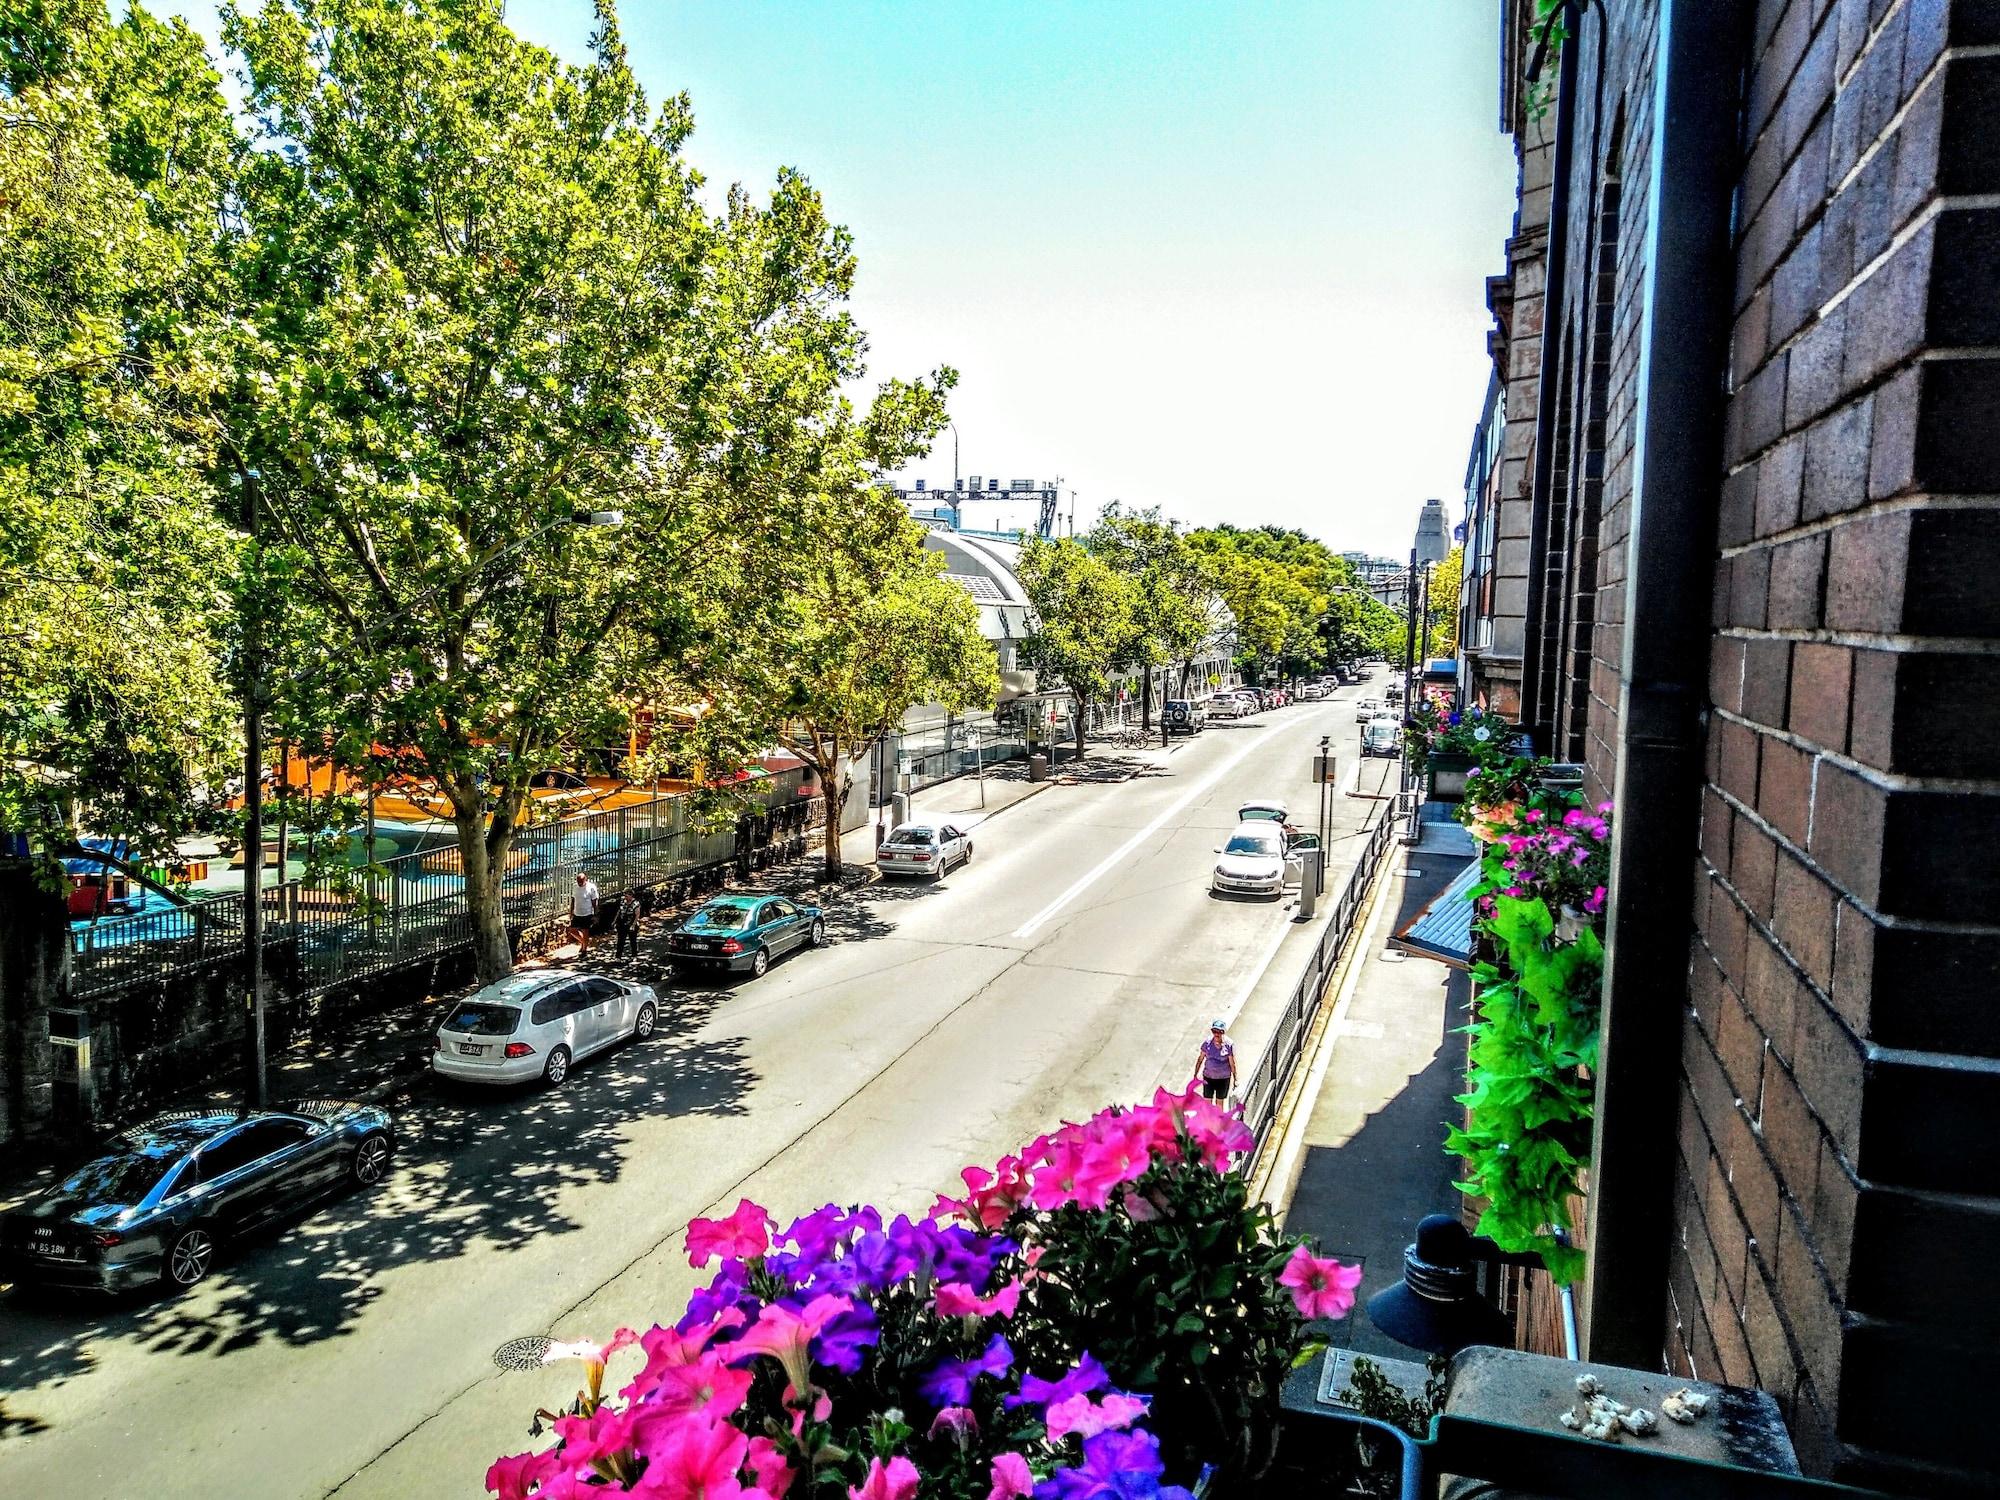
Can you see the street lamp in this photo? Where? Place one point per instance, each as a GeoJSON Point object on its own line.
{"type": "Point", "coordinates": [956, 518]}
{"type": "Point", "coordinates": [1432, 545]}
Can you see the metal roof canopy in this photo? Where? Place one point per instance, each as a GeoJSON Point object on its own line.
{"type": "Point", "coordinates": [1443, 928]}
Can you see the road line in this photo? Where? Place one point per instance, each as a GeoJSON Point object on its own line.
{"type": "Point", "coordinates": [1111, 861]}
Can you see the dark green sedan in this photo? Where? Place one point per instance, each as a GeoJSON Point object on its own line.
{"type": "Point", "coordinates": [746, 932]}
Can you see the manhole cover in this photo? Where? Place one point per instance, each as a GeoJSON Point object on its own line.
{"type": "Point", "coordinates": [523, 1353]}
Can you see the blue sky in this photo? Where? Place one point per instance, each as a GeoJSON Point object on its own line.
{"type": "Point", "coordinates": [1226, 258]}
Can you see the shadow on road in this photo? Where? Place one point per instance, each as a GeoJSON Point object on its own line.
{"type": "Point", "coordinates": [486, 1166]}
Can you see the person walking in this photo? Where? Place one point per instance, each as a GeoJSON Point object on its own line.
{"type": "Point", "coordinates": [1216, 1064]}
{"type": "Point", "coordinates": [582, 911]}
{"type": "Point", "coordinates": [626, 921]}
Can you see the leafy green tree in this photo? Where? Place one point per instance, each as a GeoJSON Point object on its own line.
{"type": "Point", "coordinates": [483, 300]}
{"type": "Point", "coordinates": [1173, 599]}
{"type": "Point", "coordinates": [1442, 613]}
{"type": "Point", "coordinates": [114, 617]}
{"type": "Point", "coordinates": [1084, 610]}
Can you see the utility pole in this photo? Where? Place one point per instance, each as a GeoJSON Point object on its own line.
{"type": "Point", "coordinates": [1409, 653]}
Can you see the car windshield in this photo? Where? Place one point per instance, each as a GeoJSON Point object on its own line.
{"type": "Point", "coordinates": [1252, 843]}
{"type": "Point", "coordinates": [122, 1179]}
{"type": "Point", "coordinates": [1261, 814]}
{"type": "Point", "coordinates": [912, 836]}
{"type": "Point", "coordinates": [724, 918]}
{"type": "Point", "coordinates": [475, 1019]}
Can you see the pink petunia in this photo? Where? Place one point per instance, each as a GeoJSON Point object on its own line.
{"type": "Point", "coordinates": [896, 1480]}
{"type": "Point", "coordinates": [744, 1235]}
{"type": "Point", "coordinates": [512, 1478]}
{"type": "Point", "coordinates": [1012, 1478]}
{"type": "Point", "coordinates": [786, 1335]}
{"type": "Point", "coordinates": [766, 1463]}
{"type": "Point", "coordinates": [1084, 1418]}
{"type": "Point", "coordinates": [708, 1387]}
{"type": "Point", "coordinates": [695, 1460]}
{"type": "Point", "coordinates": [954, 1299]}
{"type": "Point", "coordinates": [1321, 1287]}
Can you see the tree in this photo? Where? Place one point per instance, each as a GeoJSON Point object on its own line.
{"type": "Point", "coordinates": [1172, 598]}
{"type": "Point", "coordinates": [1084, 611]}
{"type": "Point", "coordinates": [869, 626]}
{"type": "Point", "coordinates": [1442, 614]}
{"type": "Point", "coordinates": [114, 617]}
{"type": "Point", "coordinates": [483, 300]}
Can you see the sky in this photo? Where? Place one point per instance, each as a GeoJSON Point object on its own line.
{"type": "Point", "coordinates": [1223, 258]}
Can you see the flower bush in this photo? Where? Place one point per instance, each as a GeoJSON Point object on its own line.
{"type": "Point", "coordinates": [1534, 1031]}
{"type": "Point", "coordinates": [1102, 1314]}
{"type": "Point", "coordinates": [1435, 728]}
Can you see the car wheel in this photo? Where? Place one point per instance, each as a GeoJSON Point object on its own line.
{"type": "Point", "coordinates": [642, 1024]}
{"type": "Point", "coordinates": [189, 1258]}
{"type": "Point", "coordinates": [818, 937]}
{"type": "Point", "coordinates": [371, 1160]}
{"type": "Point", "coordinates": [760, 963]}
{"type": "Point", "coordinates": [556, 1069]}
{"type": "Point", "coordinates": [968, 853]}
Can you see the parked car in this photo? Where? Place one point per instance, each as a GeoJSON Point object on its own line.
{"type": "Point", "coordinates": [924, 849]}
{"type": "Point", "coordinates": [1264, 812]}
{"type": "Point", "coordinates": [1366, 709]}
{"type": "Point", "coordinates": [1312, 692]}
{"type": "Point", "coordinates": [1393, 692]}
{"type": "Point", "coordinates": [1382, 736]}
{"type": "Point", "coordinates": [165, 1197]}
{"type": "Point", "coordinates": [746, 932]}
{"type": "Point", "coordinates": [1252, 862]}
{"type": "Point", "coordinates": [540, 1024]}
{"type": "Point", "coordinates": [1231, 706]}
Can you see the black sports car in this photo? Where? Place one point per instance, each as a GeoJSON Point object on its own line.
{"type": "Point", "coordinates": [166, 1195]}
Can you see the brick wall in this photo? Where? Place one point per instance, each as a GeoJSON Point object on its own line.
{"type": "Point", "coordinates": [1840, 1041]}
{"type": "Point", "coordinates": [1838, 1202]}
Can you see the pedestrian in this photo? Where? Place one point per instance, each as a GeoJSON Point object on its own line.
{"type": "Point", "coordinates": [582, 911]}
{"type": "Point", "coordinates": [1217, 1063]}
{"type": "Point", "coordinates": [626, 921]}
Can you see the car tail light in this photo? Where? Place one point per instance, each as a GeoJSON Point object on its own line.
{"type": "Point", "coordinates": [437, 1042]}
{"type": "Point", "coordinates": [106, 1238]}
{"type": "Point", "coordinates": [730, 945]}
{"type": "Point", "coordinates": [519, 1049]}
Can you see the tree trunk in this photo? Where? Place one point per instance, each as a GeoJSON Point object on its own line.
{"type": "Point", "coordinates": [836, 803]}
{"type": "Point", "coordinates": [492, 950]}
{"type": "Point", "coordinates": [1146, 699]}
{"type": "Point", "coordinates": [1082, 710]}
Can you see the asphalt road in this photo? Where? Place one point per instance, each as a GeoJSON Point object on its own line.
{"type": "Point", "coordinates": [1075, 963]}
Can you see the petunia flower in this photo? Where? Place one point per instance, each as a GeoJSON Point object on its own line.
{"type": "Point", "coordinates": [1083, 1377]}
{"type": "Point", "coordinates": [766, 1463]}
{"type": "Point", "coordinates": [1321, 1287]}
{"type": "Point", "coordinates": [1116, 1465]}
{"type": "Point", "coordinates": [1012, 1478]}
{"type": "Point", "coordinates": [707, 1388]}
{"type": "Point", "coordinates": [744, 1235]}
{"type": "Point", "coordinates": [896, 1480]}
{"type": "Point", "coordinates": [512, 1478]}
{"type": "Point", "coordinates": [950, 1382]}
{"type": "Point", "coordinates": [954, 1299]}
{"type": "Point", "coordinates": [1084, 1418]}
{"type": "Point", "coordinates": [958, 1423]}
{"type": "Point", "coordinates": [695, 1460]}
{"type": "Point", "coordinates": [786, 1334]}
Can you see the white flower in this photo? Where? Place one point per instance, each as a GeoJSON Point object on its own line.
{"type": "Point", "coordinates": [1482, 734]}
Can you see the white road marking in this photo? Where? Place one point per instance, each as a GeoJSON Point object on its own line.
{"type": "Point", "coordinates": [1347, 782]}
{"type": "Point", "coordinates": [1111, 861]}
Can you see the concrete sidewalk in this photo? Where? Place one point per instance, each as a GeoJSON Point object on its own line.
{"type": "Point", "coordinates": [1363, 1158]}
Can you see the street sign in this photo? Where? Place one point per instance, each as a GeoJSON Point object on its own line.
{"type": "Point", "coordinates": [1325, 768]}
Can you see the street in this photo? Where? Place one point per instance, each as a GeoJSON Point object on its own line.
{"type": "Point", "coordinates": [1075, 962]}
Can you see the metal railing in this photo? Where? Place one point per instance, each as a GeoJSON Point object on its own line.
{"type": "Point", "coordinates": [352, 923]}
{"type": "Point", "coordinates": [1272, 1072]}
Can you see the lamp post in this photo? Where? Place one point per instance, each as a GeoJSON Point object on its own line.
{"type": "Point", "coordinates": [956, 516]}
{"type": "Point", "coordinates": [1432, 545]}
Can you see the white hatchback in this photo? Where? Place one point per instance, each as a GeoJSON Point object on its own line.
{"type": "Point", "coordinates": [540, 1024]}
{"type": "Point", "coordinates": [1252, 863]}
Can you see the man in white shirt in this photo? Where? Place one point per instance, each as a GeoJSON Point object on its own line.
{"type": "Point", "coordinates": [582, 911]}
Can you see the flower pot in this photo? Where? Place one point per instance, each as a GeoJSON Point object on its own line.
{"type": "Point", "coordinates": [1446, 775]}
{"type": "Point", "coordinates": [1571, 924]}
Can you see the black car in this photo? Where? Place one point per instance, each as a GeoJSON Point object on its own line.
{"type": "Point", "coordinates": [166, 1195]}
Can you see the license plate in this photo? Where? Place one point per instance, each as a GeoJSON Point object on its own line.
{"type": "Point", "coordinates": [472, 1049]}
{"type": "Point", "coordinates": [54, 1252]}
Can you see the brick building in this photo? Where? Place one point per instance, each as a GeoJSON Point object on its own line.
{"type": "Point", "coordinates": [1746, 527]}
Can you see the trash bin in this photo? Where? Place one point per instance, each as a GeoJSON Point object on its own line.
{"type": "Point", "coordinates": [1038, 767]}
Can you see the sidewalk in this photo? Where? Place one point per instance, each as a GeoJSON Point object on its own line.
{"type": "Point", "coordinates": [1364, 1156]}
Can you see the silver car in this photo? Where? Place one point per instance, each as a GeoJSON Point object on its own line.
{"type": "Point", "coordinates": [924, 849]}
{"type": "Point", "coordinates": [1252, 863]}
{"type": "Point", "coordinates": [539, 1025]}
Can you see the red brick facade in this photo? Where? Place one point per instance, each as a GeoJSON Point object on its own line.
{"type": "Point", "coordinates": [1837, 1209]}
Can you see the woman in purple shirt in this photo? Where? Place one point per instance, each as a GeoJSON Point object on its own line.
{"type": "Point", "coordinates": [1217, 1063]}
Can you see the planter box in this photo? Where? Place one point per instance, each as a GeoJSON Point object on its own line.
{"type": "Point", "coordinates": [1445, 776]}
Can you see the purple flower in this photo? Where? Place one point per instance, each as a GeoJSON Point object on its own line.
{"type": "Point", "coordinates": [729, 1288]}
{"type": "Point", "coordinates": [1085, 1376]}
{"type": "Point", "coordinates": [1116, 1466]}
{"type": "Point", "coordinates": [843, 1337]}
{"type": "Point", "coordinates": [950, 1383]}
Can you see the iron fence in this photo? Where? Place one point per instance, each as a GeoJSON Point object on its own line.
{"type": "Point", "coordinates": [352, 923]}
{"type": "Point", "coordinates": [1272, 1072]}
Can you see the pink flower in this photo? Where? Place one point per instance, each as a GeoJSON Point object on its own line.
{"type": "Point", "coordinates": [1139, 1210]}
{"type": "Point", "coordinates": [898, 1480]}
{"type": "Point", "coordinates": [706, 1388]}
{"type": "Point", "coordinates": [743, 1235]}
{"type": "Point", "coordinates": [1086, 1418]}
{"type": "Point", "coordinates": [766, 1462]}
{"type": "Point", "coordinates": [955, 1299]}
{"type": "Point", "coordinates": [1321, 1287]}
{"type": "Point", "coordinates": [694, 1460]}
{"type": "Point", "coordinates": [512, 1478]}
{"type": "Point", "coordinates": [1012, 1478]}
{"type": "Point", "coordinates": [957, 1423]}
{"type": "Point", "coordinates": [785, 1335]}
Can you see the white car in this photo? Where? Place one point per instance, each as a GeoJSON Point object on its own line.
{"type": "Point", "coordinates": [1382, 736]}
{"type": "Point", "coordinates": [1231, 706]}
{"type": "Point", "coordinates": [1252, 863]}
{"type": "Point", "coordinates": [539, 1025]}
{"type": "Point", "coordinates": [1366, 709]}
{"type": "Point", "coordinates": [924, 849]}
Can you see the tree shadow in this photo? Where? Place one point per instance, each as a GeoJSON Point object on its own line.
{"type": "Point", "coordinates": [474, 1166]}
